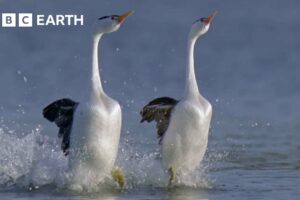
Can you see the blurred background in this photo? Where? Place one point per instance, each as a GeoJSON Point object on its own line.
{"type": "Point", "coordinates": [247, 66]}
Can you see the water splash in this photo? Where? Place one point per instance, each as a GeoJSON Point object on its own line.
{"type": "Point", "coordinates": [35, 160]}
{"type": "Point", "coordinates": [143, 168]}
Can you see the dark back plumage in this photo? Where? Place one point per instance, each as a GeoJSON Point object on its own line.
{"type": "Point", "coordinates": [160, 110]}
{"type": "Point", "coordinates": [61, 112]}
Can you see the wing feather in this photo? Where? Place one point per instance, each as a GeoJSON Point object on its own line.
{"type": "Point", "coordinates": [159, 110]}
{"type": "Point", "coordinates": [61, 112]}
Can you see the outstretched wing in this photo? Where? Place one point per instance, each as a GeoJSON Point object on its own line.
{"type": "Point", "coordinates": [160, 110]}
{"type": "Point", "coordinates": [61, 112]}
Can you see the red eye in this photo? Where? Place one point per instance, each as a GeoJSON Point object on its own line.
{"type": "Point", "coordinates": [205, 20]}
{"type": "Point", "coordinates": [114, 17]}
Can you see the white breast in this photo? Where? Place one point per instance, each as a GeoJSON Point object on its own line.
{"type": "Point", "coordinates": [95, 137]}
{"type": "Point", "coordinates": [185, 141]}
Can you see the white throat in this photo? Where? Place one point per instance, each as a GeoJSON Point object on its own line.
{"type": "Point", "coordinates": [191, 87]}
{"type": "Point", "coordinates": [97, 89]}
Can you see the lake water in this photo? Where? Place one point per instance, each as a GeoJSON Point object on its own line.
{"type": "Point", "coordinates": [247, 66]}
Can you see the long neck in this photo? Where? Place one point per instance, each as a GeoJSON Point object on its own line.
{"type": "Point", "coordinates": [191, 87]}
{"type": "Point", "coordinates": [96, 81]}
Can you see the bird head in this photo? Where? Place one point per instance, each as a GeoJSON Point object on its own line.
{"type": "Point", "coordinates": [111, 23]}
{"type": "Point", "coordinates": [201, 26]}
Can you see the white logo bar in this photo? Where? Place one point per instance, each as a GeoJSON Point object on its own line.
{"type": "Point", "coordinates": [28, 20]}
{"type": "Point", "coordinates": [8, 19]}
{"type": "Point", "coordinates": [25, 20]}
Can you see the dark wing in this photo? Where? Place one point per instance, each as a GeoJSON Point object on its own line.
{"type": "Point", "coordinates": [160, 110]}
{"type": "Point", "coordinates": [61, 112]}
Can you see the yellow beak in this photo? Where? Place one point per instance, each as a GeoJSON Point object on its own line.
{"type": "Point", "coordinates": [123, 17]}
{"type": "Point", "coordinates": [211, 17]}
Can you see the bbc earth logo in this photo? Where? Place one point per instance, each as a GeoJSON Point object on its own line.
{"type": "Point", "coordinates": [30, 20]}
